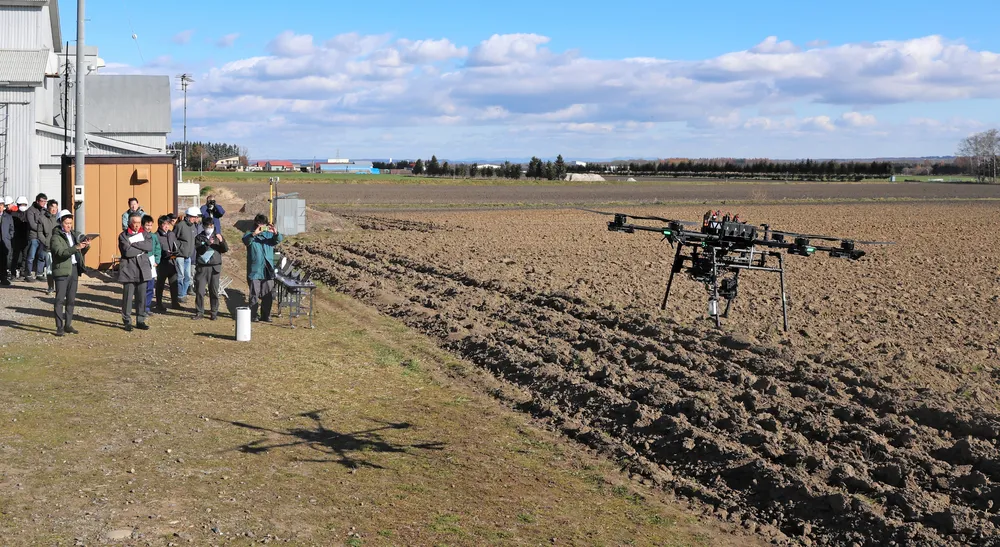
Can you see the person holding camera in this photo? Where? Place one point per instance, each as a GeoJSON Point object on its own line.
{"type": "Point", "coordinates": [209, 246]}
{"type": "Point", "coordinates": [134, 271]}
{"type": "Point", "coordinates": [214, 211]}
{"type": "Point", "coordinates": [260, 245]}
{"type": "Point", "coordinates": [67, 247]}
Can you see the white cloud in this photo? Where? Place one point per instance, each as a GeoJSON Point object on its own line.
{"type": "Point", "coordinates": [227, 40]}
{"type": "Point", "coordinates": [289, 44]}
{"type": "Point", "coordinates": [772, 45]}
{"type": "Point", "coordinates": [430, 51]}
{"type": "Point", "coordinates": [504, 49]}
{"type": "Point", "coordinates": [183, 37]}
{"type": "Point", "coordinates": [857, 119]}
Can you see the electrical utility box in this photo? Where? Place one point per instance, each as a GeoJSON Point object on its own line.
{"type": "Point", "coordinates": [290, 217]}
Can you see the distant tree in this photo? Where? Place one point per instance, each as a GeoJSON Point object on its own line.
{"type": "Point", "coordinates": [983, 151]}
{"type": "Point", "coordinates": [534, 168]}
{"type": "Point", "coordinates": [473, 170]}
{"type": "Point", "coordinates": [549, 171]}
{"type": "Point", "coordinates": [561, 167]}
{"type": "Point", "coordinates": [418, 168]}
{"type": "Point", "coordinates": [433, 167]}
{"type": "Point", "coordinates": [512, 170]}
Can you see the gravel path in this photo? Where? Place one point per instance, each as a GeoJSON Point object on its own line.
{"type": "Point", "coordinates": [15, 300]}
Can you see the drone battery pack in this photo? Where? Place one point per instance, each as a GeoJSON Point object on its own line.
{"type": "Point", "coordinates": [739, 230]}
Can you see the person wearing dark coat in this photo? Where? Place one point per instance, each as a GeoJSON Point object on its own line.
{"type": "Point", "coordinates": [185, 232]}
{"type": "Point", "coordinates": [6, 244]}
{"type": "Point", "coordinates": [67, 247]}
{"type": "Point", "coordinates": [20, 242]}
{"type": "Point", "coordinates": [260, 245]}
{"type": "Point", "coordinates": [134, 271]}
{"type": "Point", "coordinates": [209, 247]}
{"type": "Point", "coordinates": [165, 271]}
{"type": "Point", "coordinates": [34, 262]}
{"type": "Point", "coordinates": [49, 225]}
{"type": "Point", "coordinates": [214, 211]}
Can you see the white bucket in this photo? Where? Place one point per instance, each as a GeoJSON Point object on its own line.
{"type": "Point", "coordinates": [242, 324]}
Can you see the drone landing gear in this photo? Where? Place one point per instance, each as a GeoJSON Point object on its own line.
{"type": "Point", "coordinates": [727, 288]}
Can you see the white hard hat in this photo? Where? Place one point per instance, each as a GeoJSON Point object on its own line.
{"type": "Point", "coordinates": [193, 212]}
{"type": "Point", "coordinates": [21, 200]}
{"type": "Point", "coordinates": [63, 214]}
{"type": "Point", "coordinates": [7, 200]}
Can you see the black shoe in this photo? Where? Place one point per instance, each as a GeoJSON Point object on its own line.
{"type": "Point", "coordinates": [160, 308]}
{"type": "Point", "coordinates": [266, 320]}
{"type": "Point", "coordinates": [213, 317]}
{"type": "Point", "coordinates": [4, 283]}
{"type": "Point", "coordinates": [197, 316]}
{"type": "Point", "coordinates": [254, 319]}
{"type": "Point", "coordinates": [60, 333]}
{"type": "Point", "coordinates": [142, 326]}
{"type": "Point", "coordinates": [178, 307]}
{"type": "Point", "coordinates": [128, 327]}
{"type": "Point", "coordinates": [71, 330]}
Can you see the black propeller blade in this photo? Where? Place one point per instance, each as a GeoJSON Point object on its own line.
{"type": "Point", "coordinates": [831, 238]}
{"type": "Point", "coordinates": [658, 219]}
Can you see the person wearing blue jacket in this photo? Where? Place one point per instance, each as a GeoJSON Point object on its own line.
{"type": "Point", "coordinates": [214, 211]}
{"type": "Point", "coordinates": [260, 245]}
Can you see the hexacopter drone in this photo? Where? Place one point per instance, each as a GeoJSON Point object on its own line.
{"type": "Point", "coordinates": [724, 246]}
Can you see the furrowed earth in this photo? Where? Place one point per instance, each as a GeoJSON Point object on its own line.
{"type": "Point", "coordinates": [874, 421]}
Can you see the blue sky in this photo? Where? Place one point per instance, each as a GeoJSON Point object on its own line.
{"type": "Point", "coordinates": [516, 78]}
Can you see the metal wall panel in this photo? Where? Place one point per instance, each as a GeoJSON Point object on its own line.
{"type": "Point", "coordinates": [20, 28]}
{"type": "Point", "coordinates": [22, 167]}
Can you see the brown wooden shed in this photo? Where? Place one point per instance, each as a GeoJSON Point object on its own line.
{"type": "Point", "coordinates": [109, 183]}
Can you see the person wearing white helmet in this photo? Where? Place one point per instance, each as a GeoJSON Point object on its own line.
{"type": "Point", "coordinates": [21, 234]}
{"type": "Point", "coordinates": [186, 230]}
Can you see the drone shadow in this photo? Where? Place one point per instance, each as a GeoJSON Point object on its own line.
{"type": "Point", "coordinates": [346, 449]}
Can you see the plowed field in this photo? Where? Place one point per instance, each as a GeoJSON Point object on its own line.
{"type": "Point", "coordinates": [874, 420]}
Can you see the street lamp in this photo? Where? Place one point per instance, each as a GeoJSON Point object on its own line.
{"type": "Point", "coordinates": [185, 80]}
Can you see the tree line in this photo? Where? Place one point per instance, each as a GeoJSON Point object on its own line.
{"type": "Point", "coordinates": [979, 154]}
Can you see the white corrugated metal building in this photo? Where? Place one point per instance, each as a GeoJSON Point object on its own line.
{"type": "Point", "coordinates": [125, 114]}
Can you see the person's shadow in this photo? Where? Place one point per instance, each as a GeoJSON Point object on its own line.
{"type": "Point", "coordinates": [341, 448]}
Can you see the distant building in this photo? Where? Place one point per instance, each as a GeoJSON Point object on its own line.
{"type": "Point", "coordinates": [347, 166]}
{"type": "Point", "coordinates": [489, 166]}
{"type": "Point", "coordinates": [228, 163]}
{"type": "Point", "coordinates": [580, 163]}
{"type": "Point", "coordinates": [273, 165]}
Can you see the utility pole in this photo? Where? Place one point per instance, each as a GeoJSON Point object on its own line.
{"type": "Point", "coordinates": [185, 80]}
{"type": "Point", "coordinates": [81, 132]}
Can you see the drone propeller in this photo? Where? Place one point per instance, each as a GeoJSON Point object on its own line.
{"type": "Point", "coordinates": [830, 238]}
{"type": "Point", "coordinates": [658, 219]}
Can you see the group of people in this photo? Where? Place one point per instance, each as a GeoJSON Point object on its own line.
{"type": "Point", "coordinates": [25, 234]}
{"type": "Point", "coordinates": [181, 254]}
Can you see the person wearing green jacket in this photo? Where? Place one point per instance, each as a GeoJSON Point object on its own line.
{"type": "Point", "coordinates": [154, 260]}
{"type": "Point", "coordinates": [260, 245]}
{"type": "Point", "coordinates": [67, 247]}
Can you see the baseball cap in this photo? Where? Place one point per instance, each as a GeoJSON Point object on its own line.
{"type": "Point", "coordinates": [63, 214]}
{"type": "Point", "coordinates": [193, 212]}
{"type": "Point", "coordinates": [21, 200]}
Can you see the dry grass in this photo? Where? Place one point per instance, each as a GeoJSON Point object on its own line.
{"type": "Point", "coordinates": [359, 432]}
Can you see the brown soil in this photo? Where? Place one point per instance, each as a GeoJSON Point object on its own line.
{"type": "Point", "coordinates": [353, 196]}
{"type": "Point", "coordinates": [876, 420]}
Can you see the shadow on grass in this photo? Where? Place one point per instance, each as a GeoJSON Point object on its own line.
{"type": "Point", "coordinates": [346, 449]}
{"type": "Point", "coordinates": [49, 313]}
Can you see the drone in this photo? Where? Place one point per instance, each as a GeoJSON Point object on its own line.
{"type": "Point", "coordinates": [715, 251]}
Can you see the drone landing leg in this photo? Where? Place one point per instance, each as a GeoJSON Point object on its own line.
{"type": "Point", "coordinates": [784, 302]}
{"type": "Point", "coordinates": [670, 280]}
{"type": "Point", "coordinates": [714, 303]}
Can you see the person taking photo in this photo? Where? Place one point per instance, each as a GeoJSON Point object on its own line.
{"type": "Point", "coordinates": [260, 245]}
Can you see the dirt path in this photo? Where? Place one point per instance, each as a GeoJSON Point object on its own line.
{"type": "Point", "coordinates": [354, 196]}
